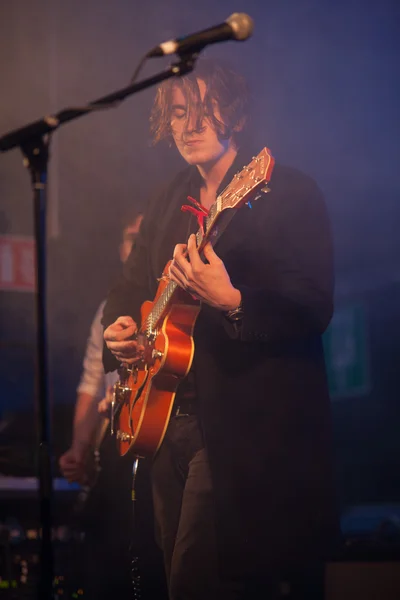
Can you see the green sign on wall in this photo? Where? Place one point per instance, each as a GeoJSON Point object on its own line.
{"type": "Point", "coordinates": [346, 352]}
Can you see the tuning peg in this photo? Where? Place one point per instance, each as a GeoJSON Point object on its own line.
{"type": "Point", "coordinates": [249, 204]}
{"type": "Point", "coordinates": [265, 189]}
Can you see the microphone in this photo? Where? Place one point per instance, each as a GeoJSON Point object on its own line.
{"type": "Point", "coordinates": [238, 26]}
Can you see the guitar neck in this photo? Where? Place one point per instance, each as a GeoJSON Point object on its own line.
{"type": "Point", "coordinates": [159, 308]}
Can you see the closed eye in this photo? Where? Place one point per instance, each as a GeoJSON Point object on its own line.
{"type": "Point", "coordinates": [178, 112]}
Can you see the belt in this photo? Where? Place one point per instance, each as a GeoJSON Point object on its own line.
{"type": "Point", "coordinates": [184, 407]}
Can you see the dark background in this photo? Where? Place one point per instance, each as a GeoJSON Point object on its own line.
{"type": "Point", "coordinates": [324, 75]}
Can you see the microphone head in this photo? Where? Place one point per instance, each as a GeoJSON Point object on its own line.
{"type": "Point", "coordinates": [242, 25]}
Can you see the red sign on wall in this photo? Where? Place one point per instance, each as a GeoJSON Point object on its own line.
{"type": "Point", "coordinates": [17, 263]}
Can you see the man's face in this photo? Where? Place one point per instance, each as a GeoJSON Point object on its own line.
{"type": "Point", "coordinates": [128, 237]}
{"type": "Point", "coordinates": [197, 146]}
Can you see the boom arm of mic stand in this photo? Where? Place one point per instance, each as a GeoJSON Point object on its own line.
{"type": "Point", "coordinates": [38, 129]}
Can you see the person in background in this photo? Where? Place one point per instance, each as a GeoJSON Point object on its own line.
{"type": "Point", "coordinates": [94, 382]}
{"type": "Point", "coordinates": [106, 562]}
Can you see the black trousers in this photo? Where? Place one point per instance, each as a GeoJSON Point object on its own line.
{"type": "Point", "coordinates": [185, 528]}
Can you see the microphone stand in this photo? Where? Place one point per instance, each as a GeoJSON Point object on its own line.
{"type": "Point", "coordinates": [33, 140]}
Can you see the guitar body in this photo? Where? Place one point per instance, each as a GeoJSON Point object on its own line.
{"type": "Point", "coordinates": [144, 413]}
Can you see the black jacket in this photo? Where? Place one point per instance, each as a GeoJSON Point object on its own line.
{"type": "Point", "coordinates": [262, 394]}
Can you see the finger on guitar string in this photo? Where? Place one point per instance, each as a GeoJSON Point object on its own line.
{"type": "Point", "coordinates": [122, 329]}
{"type": "Point", "coordinates": [178, 277]}
{"type": "Point", "coordinates": [125, 321]}
{"type": "Point", "coordinates": [123, 347]}
{"type": "Point", "coordinates": [188, 262]}
{"type": "Point", "coordinates": [181, 272]}
{"type": "Point", "coordinates": [195, 261]}
{"type": "Point", "coordinates": [180, 250]}
{"type": "Point", "coordinates": [181, 259]}
{"type": "Point", "coordinates": [178, 270]}
{"type": "Point", "coordinates": [114, 335]}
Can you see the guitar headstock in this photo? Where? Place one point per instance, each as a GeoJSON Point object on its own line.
{"type": "Point", "coordinates": [245, 185]}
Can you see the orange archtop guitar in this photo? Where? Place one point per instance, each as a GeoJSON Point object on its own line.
{"type": "Point", "coordinates": [144, 395]}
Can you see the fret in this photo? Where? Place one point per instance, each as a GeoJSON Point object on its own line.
{"type": "Point", "coordinates": [160, 306]}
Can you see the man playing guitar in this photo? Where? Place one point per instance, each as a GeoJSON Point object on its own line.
{"type": "Point", "coordinates": [242, 482]}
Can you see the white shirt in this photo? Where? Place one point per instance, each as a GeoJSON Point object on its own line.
{"type": "Point", "coordinates": [93, 379]}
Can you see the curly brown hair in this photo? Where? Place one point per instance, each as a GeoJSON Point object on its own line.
{"type": "Point", "coordinates": [225, 88]}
